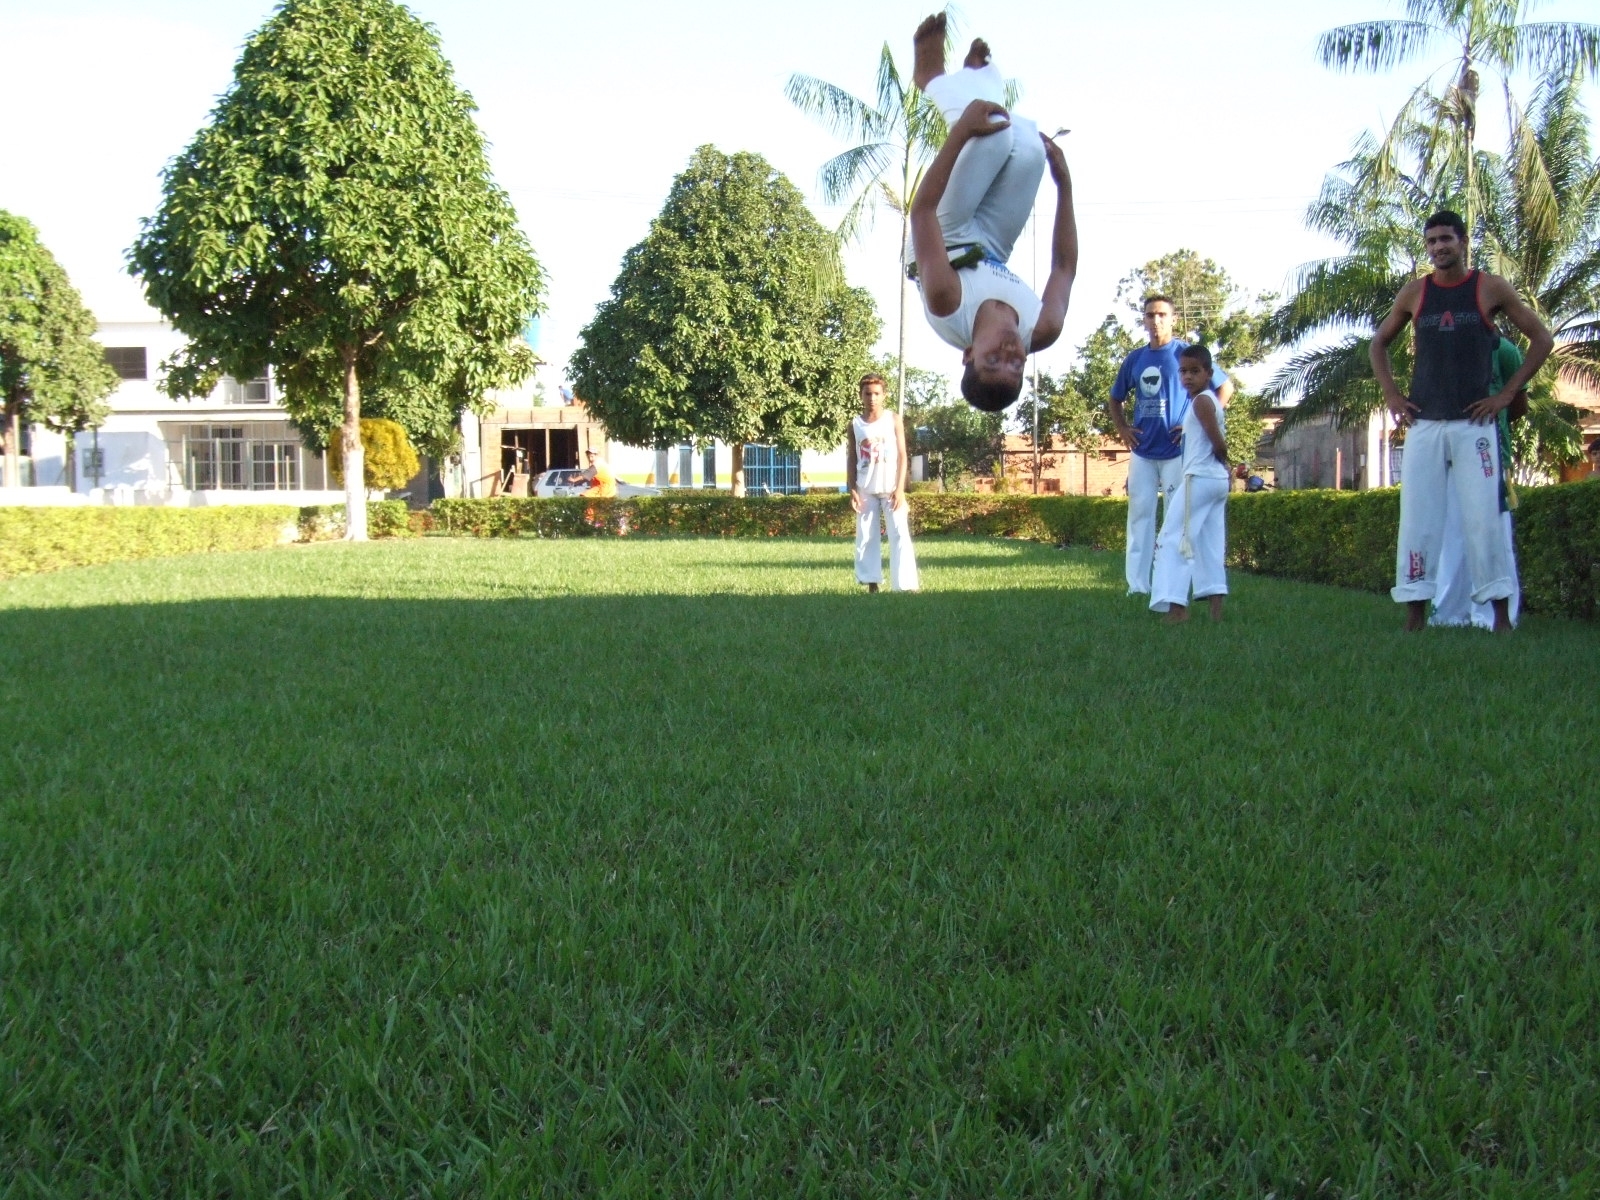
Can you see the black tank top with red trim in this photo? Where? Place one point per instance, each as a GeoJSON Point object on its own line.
{"type": "Point", "coordinates": [1455, 344]}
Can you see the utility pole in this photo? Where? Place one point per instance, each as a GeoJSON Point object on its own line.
{"type": "Point", "coordinates": [1034, 267]}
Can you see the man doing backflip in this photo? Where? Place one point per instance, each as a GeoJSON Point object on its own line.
{"type": "Point", "coordinates": [1150, 376]}
{"type": "Point", "coordinates": [1451, 445]}
{"type": "Point", "coordinates": [876, 473]}
{"type": "Point", "coordinates": [969, 210]}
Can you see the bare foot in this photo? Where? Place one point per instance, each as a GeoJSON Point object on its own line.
{"type": "Point", "coordinates": [927, 45]}
{"type": "Point", "coordinates": [1176, 615]}
{"type": "Point", "coordinates": [978, 56]}
{"type": "Point", "coordinates": [1216, 607]}
{"type": "Point", "coordinates": [1416, 616]}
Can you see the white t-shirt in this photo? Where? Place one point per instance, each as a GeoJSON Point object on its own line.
{"type": "Point", "coordinates": [877, 455]}
{"type": "Point", "coordinates": [1199, 459]}
{"type": "Point", "coordinates": [986, 281]}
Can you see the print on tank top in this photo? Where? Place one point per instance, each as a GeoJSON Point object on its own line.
{"type": "Point", "coordinates": [1455, 344]}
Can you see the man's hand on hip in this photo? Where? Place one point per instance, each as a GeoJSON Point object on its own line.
{"type": "Point", "coordinates": [1484, 411]}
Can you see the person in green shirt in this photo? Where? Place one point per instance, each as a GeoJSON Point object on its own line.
{"type": "Point", "coordinates": [1452, 603]}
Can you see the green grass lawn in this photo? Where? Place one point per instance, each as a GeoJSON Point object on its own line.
{"type": "Point", "coordinates": [684, 868]}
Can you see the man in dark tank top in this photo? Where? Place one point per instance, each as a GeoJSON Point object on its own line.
{"type": "Point", "coordinates": [1451, 445]}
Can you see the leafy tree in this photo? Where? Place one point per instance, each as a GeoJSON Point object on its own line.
{"type": "Point", "coordinates": [388, 458]}
{"type": "Point", "coordinates": [716, 327]}
{"type": "Point", "coordinates": [52, 371]}
{"type": "Point", "coordinates": [924, 389]}
{"type": "Point", "coordinates": [959, 440]}
{"type": "Point", "coordinates": [1488, 33]}
{"type": "Point", "coordinates": [337, 218]}
{"type": "Point", "coordinates": [1245, 427]}
{"type": "Point", "coordinates": [1083, 416]}
{"type": "Point", "coordinates": [1207, 305]}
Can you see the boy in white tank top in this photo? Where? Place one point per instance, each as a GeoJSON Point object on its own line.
{"type": "Point", "coordinates": [876, 471]}
{"type": "Point", "coordinates": [971, 206]}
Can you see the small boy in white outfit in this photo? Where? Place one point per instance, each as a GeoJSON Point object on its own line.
{"type": "Point", "coordinates": [876, 471]}
{"type": "Point", "coordinates": [969, 210]}
{"type": "Point", "coordinates": [1190, 551]}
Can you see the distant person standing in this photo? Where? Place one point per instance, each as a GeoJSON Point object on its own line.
{"type": "Point", "coordinates": [876, 472]}
{"type": "Point", "coordinates": [1191, 554]}
{"type": "Point", "coordinates": [1150, 375]}
{"type": "Point", "coordinates": [1451, 445]}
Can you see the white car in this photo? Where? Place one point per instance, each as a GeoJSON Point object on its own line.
{"type": "Point", "coordinates": [570, 482]}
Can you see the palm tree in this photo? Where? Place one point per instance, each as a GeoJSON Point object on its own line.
{"type": "Point", "coordinates": [895, 138]}
{"type": "Point", "coordinates": [1490, 33]}
{"type": "Point", "coordinates": [1541, 230]}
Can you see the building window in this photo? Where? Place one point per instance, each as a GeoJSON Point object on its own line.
{"type": "Point", "coordinates": [256, 458]}
{"type": "Point", "coordinates": [708, 468]}
{"type": "Point", "coordinates": [243, 391]}
{"type": "Point", "coordinates": [685, 466]}
{"type": "Point", "coordinates": [769, 471]}
{"type": "Point", "coordinates": [129, 362]}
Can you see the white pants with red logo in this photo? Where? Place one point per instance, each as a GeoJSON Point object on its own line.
{"type": "Point", "coordinates": [1147, 478]}
{"type": "Point", "coordinates": [869, 547]}
{"type": "Point", "coordinates": [1447, 460]}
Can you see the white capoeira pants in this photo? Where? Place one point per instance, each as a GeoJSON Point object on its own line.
{"type": "Point", "coordinates": [1445, 459]}
{"type": "Point", "coordinates": [869, 547]}
{"type": "Point", "coordinates": [1203, 571]}
{"type": "Point", "coordinates": [1452, 602]}
{"type": "Point", "coordinates": [1147, 477]}
{"type": "Point", "coordinates": [993, 184]}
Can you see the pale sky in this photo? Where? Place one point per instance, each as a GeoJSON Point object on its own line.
{"type": "Point", "coordinates": [1201, 126]}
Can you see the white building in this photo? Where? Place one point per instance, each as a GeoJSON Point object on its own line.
{"type": "Point", "coordinates": [235, 446]}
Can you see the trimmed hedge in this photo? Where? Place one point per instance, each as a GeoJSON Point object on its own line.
{"type": "Point", "coordinates": [1349, 539]}
{"type": "Point", "coordinates": [47, 539]}
{"type": "Point", "coordinates": [1062, 520]}
{"type": "Point", "coordinates": [1345, 539]}
{"type": "Point", "coordinates": [385, 519]}
{"type": "Point", "coordinates": [1558, 549]}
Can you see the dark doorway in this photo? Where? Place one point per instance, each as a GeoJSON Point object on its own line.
{"type": "Point", "coordinates": [563, 449]}
{"type": "Point", "coordinates": [523, 451]}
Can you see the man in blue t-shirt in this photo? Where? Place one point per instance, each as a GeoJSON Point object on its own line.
{"type": "Point", "coordinates": [1150, 375]}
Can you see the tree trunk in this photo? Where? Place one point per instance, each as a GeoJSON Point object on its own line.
{"type": "Point", "coordinates": [355, 475]}
{"type": "Point", "coordinates": [13, 445]}
{"type": "Point", "coordinates": [900, 381]}
{"type": "Point", "coordinates": [737, 473]}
